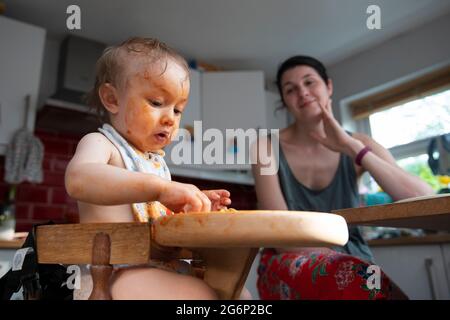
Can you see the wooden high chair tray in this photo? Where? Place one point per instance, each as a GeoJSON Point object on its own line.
{"type": "Point", "coordinates": [226, 243]}
{"type": "Point", "coordinates": [245, 228]}
{"type": "Point", "coordinates": [131, 242]}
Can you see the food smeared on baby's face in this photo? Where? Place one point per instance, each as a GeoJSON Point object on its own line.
{"type": "Point", "coordinates": [154, 98]}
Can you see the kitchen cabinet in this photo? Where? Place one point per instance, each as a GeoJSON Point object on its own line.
{"type": "Point", "coordinates": [421, 271]}
{"type": "Point", "coordinates": [277, 118]}
{"type": "Point", "coordinates": [233, 99]}
{"type": "Point", "coordinates": [193, 110]}
{"type": "Point", "coordinates": [21, 57]}
{"type": "Point", "coordinates": [221, 101]}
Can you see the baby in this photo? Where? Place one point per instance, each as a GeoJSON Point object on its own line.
{"type": "Point", "coordinates": [142, 88]}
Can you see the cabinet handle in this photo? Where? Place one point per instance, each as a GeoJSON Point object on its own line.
{"type": "Point", "coordinates": [429, 267]}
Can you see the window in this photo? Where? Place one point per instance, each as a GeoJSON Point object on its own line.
{"type": "Point", "coordinates": [416, 120]}
{"type": "Point", "coordinates": [418, 166]}
{"type": "Point", "coordinates": [404, 119]}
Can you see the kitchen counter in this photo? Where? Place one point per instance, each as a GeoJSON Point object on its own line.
{"type": "Point", "coordinates": [16, 243]}
{"type": "Point", "coordinates": [429, 213]}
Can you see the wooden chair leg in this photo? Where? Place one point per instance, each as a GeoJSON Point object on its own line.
{"type": "Point", "coordinates": [101, 269]}
{"type": "Point", "coordinates": [227, 269]}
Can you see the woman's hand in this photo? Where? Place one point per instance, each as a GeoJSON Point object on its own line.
{"type": "Point", "coordinates": [220, 199]}
{"type": "Point", "coordinates": [182, 197]}
{"type": "Point", "coordinates": [336, 138]}
{"type": "Point", "coordinates": [379, 163]}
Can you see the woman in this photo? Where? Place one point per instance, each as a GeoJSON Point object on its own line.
{"type": "Point", "coordinates": [319, 165]}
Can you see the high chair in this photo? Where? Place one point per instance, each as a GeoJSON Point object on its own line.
{"type": "Point", "coordinates": [221, 245]}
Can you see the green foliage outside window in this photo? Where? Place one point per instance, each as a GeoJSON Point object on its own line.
{"type": "Point", "coordinates": [423, 171]}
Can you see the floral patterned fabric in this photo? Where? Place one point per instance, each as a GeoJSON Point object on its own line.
{"type": "Point", "coordinates": [317, 275]}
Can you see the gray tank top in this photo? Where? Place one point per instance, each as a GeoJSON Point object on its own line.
{"type": "Point", "coordinates": [341, 193]}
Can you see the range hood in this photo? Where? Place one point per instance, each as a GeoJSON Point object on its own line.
{"type": "Point", "coordinates": [76, 69]}
{"type": "Point", "coordinates": [65, 111]}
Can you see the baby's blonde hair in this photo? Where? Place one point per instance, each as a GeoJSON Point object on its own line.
{"type": "Point", "coordinates": [110, 67]}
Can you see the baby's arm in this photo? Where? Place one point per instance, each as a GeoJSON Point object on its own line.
{"type": "Point", "coordinates": [89, 178]}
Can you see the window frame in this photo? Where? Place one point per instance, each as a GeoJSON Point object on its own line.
{"type": "Point", "coordinates": [411, 149]}
{"type": "Point", "coordinates": [362, 124]}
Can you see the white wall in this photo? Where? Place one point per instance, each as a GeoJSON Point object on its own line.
{"type": "Point", "coordinates": [399, 57]}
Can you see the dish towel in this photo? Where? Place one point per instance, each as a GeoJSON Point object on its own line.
{"type": "Point", "coordinates": [23, 159]}
{"type": "Point", "coordinates": [148, 162]}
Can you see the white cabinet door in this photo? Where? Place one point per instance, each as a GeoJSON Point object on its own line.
{"type": "Point", "coordinates": [234, 99]}
{"type": "Point", "coordinates": [21, 56]}
{"type": "Point", "coordinates": [192, 112]}
{"type": "Point", "coordinates": [418, 270]}
{"type": "Point", "coordinates": [223, 100]}
{"type": "Point", "coordinates": [276, 117]}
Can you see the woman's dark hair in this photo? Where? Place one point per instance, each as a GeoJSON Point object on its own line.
{"type": "Point", "coordinates": [296, 61]}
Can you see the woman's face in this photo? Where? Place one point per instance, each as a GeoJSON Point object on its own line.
{"type": "Point", "coordinates": [303, 90]}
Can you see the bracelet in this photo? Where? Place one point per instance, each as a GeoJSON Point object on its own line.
{"type": "Point", "coordinates": [361, 155]}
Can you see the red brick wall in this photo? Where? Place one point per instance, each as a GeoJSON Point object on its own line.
{"type": "Point", "coordinates": [37, 203]}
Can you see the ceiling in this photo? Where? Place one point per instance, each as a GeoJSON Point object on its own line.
{"type": "Point", "coordinates": [237, 34]}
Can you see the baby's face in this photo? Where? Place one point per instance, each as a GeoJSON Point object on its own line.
{"type": "Point", "coordinates": [151, 103]}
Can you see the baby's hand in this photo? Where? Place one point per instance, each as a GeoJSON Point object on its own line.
{"type": "Point", "coordinates": [220, 199]}
{"type": "Point", "coordinates": [182, 197]}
